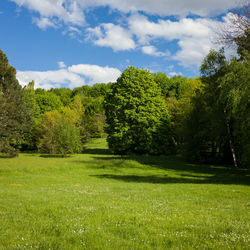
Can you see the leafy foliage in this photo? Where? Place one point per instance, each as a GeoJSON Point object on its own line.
{"type": "Point", "coordinates": [218, 126]}
{"type": "Point", "coordinates": [64, 94]}
{"type": "Point", "coordinates": [137, 118]}
{"type": "Point", "coordinates": [235, 94]}
{"type": "Point", "coordinates": [14, 113]}
{"type": "Point", "coordinates": [206, 118]}
{"type": "Point", "coordinates": [97, 90]}
{"type": "Point", "coordinates": [180, 106]}
{"type": "Point", "coordinates": [47, 101]}
{"type": "Point", "coordinates": [28, 142]}
{"type": "Point", "coordinates": [58, 135]}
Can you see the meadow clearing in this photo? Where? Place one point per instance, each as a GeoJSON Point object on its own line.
{"type": "Point", "coordinates": [97, 200]}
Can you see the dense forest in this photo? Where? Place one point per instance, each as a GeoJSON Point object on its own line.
{"type": "Point", "coordinates": [206, 119]}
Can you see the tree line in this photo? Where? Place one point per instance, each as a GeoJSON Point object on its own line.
{"type": "Point", "coordinates": [207, 119]}
{"type": "Point", "coordinates": [55, 121]}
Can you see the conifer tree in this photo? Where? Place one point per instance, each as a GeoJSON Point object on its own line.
{"type": "Point", "coordinates": [14, 115]}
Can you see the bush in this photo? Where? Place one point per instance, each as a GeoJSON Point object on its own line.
{"type": "Point", "coordinates": [58, 135]}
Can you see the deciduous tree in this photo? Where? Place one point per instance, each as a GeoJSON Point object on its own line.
{"type": "Point", "coordinates": [137, 118]}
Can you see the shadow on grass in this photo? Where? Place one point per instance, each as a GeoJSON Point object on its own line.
{"type": "Point", "coordinates": [7, 156]}
{"type": "Point", "coordinates": [97, 151]}
{"type": "Point", "coordinates": [153, 179]}
{"type": "Point", "coordinates": [188, 173]}
{"type": "Point", "coordinates": [54, 156]}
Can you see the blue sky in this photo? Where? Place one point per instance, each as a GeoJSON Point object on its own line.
{"type": "Point", "coordinates": [70, 43]}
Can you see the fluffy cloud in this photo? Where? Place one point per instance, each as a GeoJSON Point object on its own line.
{"type": "Point", "coordinates": [73, 76]}
{"type": "Point", "coordinates": [67, 11]}
{"type": "Point", "coordinates": [192, 35]}
{"type": "Point", "coordinates": [61, 65]}
{"type": "Point", "coordinates": [173, 73]}
{"type": "Point", "coordinates": [110, 35]}
{"type": "Point", "coordinates": [192, 51]}
{"type": "Point", "coordinates": [165, 7]}
{"type": "Point", "coordinates": [151, 50]}
{"type": "Point", "coordinates": [72, 10]}
{"type": "Point", "coordinates": [50, 79]}
{"type": "Point", "coordinates": [146, 30]}
{"type": "Point", "coordinates": [95, 73]}
{"type": "Point", "coordinates": [44, 22]}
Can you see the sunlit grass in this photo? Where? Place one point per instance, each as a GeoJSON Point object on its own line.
{"type": "Point", "coordinates": [98, 200]}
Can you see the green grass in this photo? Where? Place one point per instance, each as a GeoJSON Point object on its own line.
{"type": "Point", "coordinates": [98, 200]}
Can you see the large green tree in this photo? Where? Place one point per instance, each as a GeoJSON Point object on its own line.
{"type": "Point", "coordinates": [219, 123]}
{"type": "Point", "coordinates": [207, 136]}
{"type": "Point", "coordinates": [14, 114]}
{"type": "Point", "coordinates": [137, 118]}
{"type": "Point", "coordinates": [235, 95]}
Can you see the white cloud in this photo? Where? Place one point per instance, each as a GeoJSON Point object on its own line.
{"type": "Point", "coordinates": [192, 35]}
{"type": "Point", "coordinates": [74, 29]}
{"type": "Point", "coordinates": [72, 11]}
{"type": "Point", "coordinates": [61, 65]}
{"type": "Point", "coordinates": [192, 51]}
{"type": "Point", "coordinates": [110, 35]}
{"type": "Point", "coordinates": [165, 7]}
{"type": "Point", "coordinates": [68, 11]}
{"type": "Point", "coordinates": [44, 22]}
{"type": "Point", "coordinates": [151, 50]}
{"type": "Point", "coordinates": [73, 76]}
{"type": "Point", "coordinates": [96, 73]}
{"type": "Point", "coordinates": [170, 30]}
{"type": "Point", "coordinates": [50, 79]}
{"type": "Point", "coordinates": [173, 73]}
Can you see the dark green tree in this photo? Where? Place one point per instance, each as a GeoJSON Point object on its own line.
{"type": "Point", "coordinates": [180, 106]}
{"type": "Point", "coordinates": [137, 118]}
{"type": "Point", "coordinates": [14, 114]}
{"type": "Point", "coordinates": [218, 126]}
{"type": "Point", "coordinates": [94, 117]}
{"type": "Point", "coordinates": [207, 136]}
{"type": "Point", "coordinates": [235, 96]}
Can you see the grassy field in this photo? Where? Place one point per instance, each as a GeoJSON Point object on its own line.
{"type": "Point", "coordinates": [100, 201]}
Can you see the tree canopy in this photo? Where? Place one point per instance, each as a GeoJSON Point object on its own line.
{"type": "Point", "coordinates": [137, 115]}
{"type": "Point", "coordinates": [14, 113]}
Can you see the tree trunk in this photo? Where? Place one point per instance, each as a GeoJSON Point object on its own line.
{"type": "Point", "coordinates": [231, 142]}
{"type": "Point", "coordinates": [214, 148]}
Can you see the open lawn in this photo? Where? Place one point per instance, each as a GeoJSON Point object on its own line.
{"type": "Point", "coordinates": [98, 200]}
